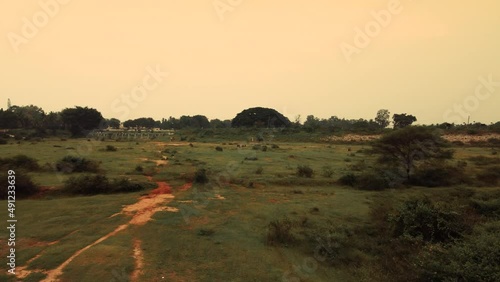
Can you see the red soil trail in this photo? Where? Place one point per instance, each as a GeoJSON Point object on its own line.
{"type": "Point", "coordinates": [141, 213]}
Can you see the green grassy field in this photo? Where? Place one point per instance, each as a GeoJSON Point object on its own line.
{"type": "Point", "coordinates": [219, 233]}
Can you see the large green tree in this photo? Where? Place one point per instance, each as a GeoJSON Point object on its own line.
{"type": "Point", "coordinates": [405, 148]}
{"type": "Point", "coordinates": [260, 117]}
{"type": "Point", "coordinates": [79, 119]}
{"type": "Point", "coordinates": [382, 118]}
{"type": "Point", "coordinates": [403, 120]}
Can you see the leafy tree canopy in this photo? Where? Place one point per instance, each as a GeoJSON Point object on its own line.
{"type": "Point", "coordinates": [260, 117]}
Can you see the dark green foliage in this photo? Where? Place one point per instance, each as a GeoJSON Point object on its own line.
{"type": "Point", "coordinates": [219, 149]}
{"type": "Point", "coordinates": [424, 220]}
{"type": "Point", "coordinates": [201, 176]}
{"type": "Point", "coordinates": [25, 187]}
{"type": "Point", "coordinates": [280, 232]}
{"type": "Point", "coordinates": [476, 258]}
{"type": "Point", "coordinates": [139, 168]}
{"type": "Point", "coordinates": [438, 174]}
{"type": "Point", "coordinates": [99, 184]}
{"type": "Point", "coordinates": [78, 119]}
{"type": "Point", "coordinates": [403, 120]}
{"type": "Point", "coordinates": [111, 148]}
{"type": "Point", "coordinates": [20, 162]}
{"type": "Point", "coordinates": [487, 204]}
{"type": "Point", "coordinates": [71, 164]}
{"type": "Point", "coordinates": [406, 148]}
{"type": "Point", "coordinates": [349, 179]}
{"type": "Point", "coordinates": [305, 171]}
{"type": "Point", "coordinates": [260, 117]}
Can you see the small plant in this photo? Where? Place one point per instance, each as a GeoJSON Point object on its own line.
{"type": "Point", "coordinates": [264, 148]}
{"type": "Point", "coordinates": [280, 232]}
{"type": "Point", "coordinates": [111, 148]}
{"type": "Point", "coordinates": [259, 170]}
{"type": "Point", "coordinates": [349, 179]}
{"type": "Point", "coordinates": [25, 187]}
{"type": "Point", "coordinates": [274, 146]}
{"type": "Point", "coordinates": [139, 168]}
{"type": "Point", "coordinates": [71, 164]}
{"type": "Point", "coordinates": [219, 149]}
{"type": "Point", "coordinates": [305, 171]}
{"type": "Point", "coordinates": [201, 176]}
{"type": "Point", "coordinates": [206, 232]}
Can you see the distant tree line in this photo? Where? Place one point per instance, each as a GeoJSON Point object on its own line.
{"type": "Point", "coordinates": [79, 120]}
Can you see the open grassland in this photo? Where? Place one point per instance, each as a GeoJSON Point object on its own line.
{"type": "Point", "coordinates": [218, 231]}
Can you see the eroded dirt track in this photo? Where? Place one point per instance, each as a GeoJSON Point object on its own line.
{"type": "Point", "coordinates": [141, 212]}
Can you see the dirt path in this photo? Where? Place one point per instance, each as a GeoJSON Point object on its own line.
{"type": "Point", "coordinates": [141, 213]}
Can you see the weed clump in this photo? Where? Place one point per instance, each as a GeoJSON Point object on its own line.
{"type": "Point", "coordinates": [71, 164]}
{"type": "Point", "coordinates": [111, 148]}
{"type": "Point", "coordinates": [305, 171]}
{"type": "Point", "coordinates": [201, 176]}
{"type": "Point", "coordinates": [280, 232]}
{"type": "Point", "coordinates": [99, 184]}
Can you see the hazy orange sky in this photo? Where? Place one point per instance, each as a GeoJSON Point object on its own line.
{"type": "Point", "coordinates": [227, 55]}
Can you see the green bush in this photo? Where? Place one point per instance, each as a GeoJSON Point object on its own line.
{"type": "Point", "coordinates": [20, 162]}
{"type": "Point", "coordinates": [201, 176]}
{"type": "Point", "coordinates": [280, 232]}
{"type": "Point", "coordinates": [111, 148]}
{"type": "Point", "coordinates": [438, 174]}
{"type": "Point", "coordinates": [487, 204]}
{"type": "Point", "coordinates": [422, 219]}
{"type": "Point", "coordinates": [71, 164]}
{"type": "Point", "coordinates": [476, 258]}
{"type": "Point", "coordinates": [349, 179]}
{"type": "Point", "coordinates": [372, 181]}
{"type": "Point", "coordinates": [99, 184]}
{"type": "Point", "coordinates": [305, 171]}
{"type": "Point", "coordinates": [25, 187]}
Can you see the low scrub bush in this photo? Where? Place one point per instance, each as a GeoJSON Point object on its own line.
{"type": "Point", "coordinates": [71, 164]}
{"type": "Point", "coordinates": [305, 171]}
{"type": "Point", "coordinates": [421, 219]}
{"type": "Point", "coordinates": [25, 187]}
{"type": "Point", "coordinates": [476, 258]}
{"type": "Point", "coordinates": [349, 179]}
{"type": "Point", "coordinates": [327, 171]}
{"type": "Point", "coordinates": [20, 162]}
{"type": "Point", "coordinates": [99, 184]}
{"type": "Point", "coordinates": [280, 232]}
{"type": "Point", "coordinates": [438, 174]}
{"type": "Point", "coordinates": [111, 148]}
{"type": "Point", "coordinates": [483, 161]}
{"type": "Point", "coordinates": [201, 176]}
{"type": "Point", "coordinates": [219, 149]}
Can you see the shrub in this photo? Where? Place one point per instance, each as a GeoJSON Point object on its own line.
{"type": "Point", "coordinates": [372, 181]}
{"type": "Point", "coordinates": [77, 164]}
{"type": "Point", "coordinates": [25, 187]}
{"type": "Point", "coordinates": [264, 148]}
{"type": "Point", "coordinates": [111, 148]}
{"type": "Point", "coordinates": [483, 161]}
{"type": "Point", "coordinates": [251, 158]}
{"type": "Point", "coordinates": [476, 258]}
{"type": "Point", "coordinates": [20, 162]}
{"type": "Point", "coordinates": [139, 168]}
{"type": "Point", "coordinates": [3, 141]}
{"type": "Point", "coordinates": [274, 146]}
{"type": "Point", "coordinates": [201, 176]}
{"type": "Point", "coordinates": [87, 185]}
{"type": "Point", "coordinates": [280, 232]}
{"type": "Point", "coordinates": [349, 179]}
{"type": "Point", "coordinates": [219, 149]}
{"type": "Point", "coordinates": [99, 184]}
{"type": "Point", "coordinates": [438, 174]}
{"type": "Point", "coordinates": [259, 170]}
{"type": "Point", "coordinates": [305, 171]}
{"type": "Point", "coordinates": [422, 219]}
